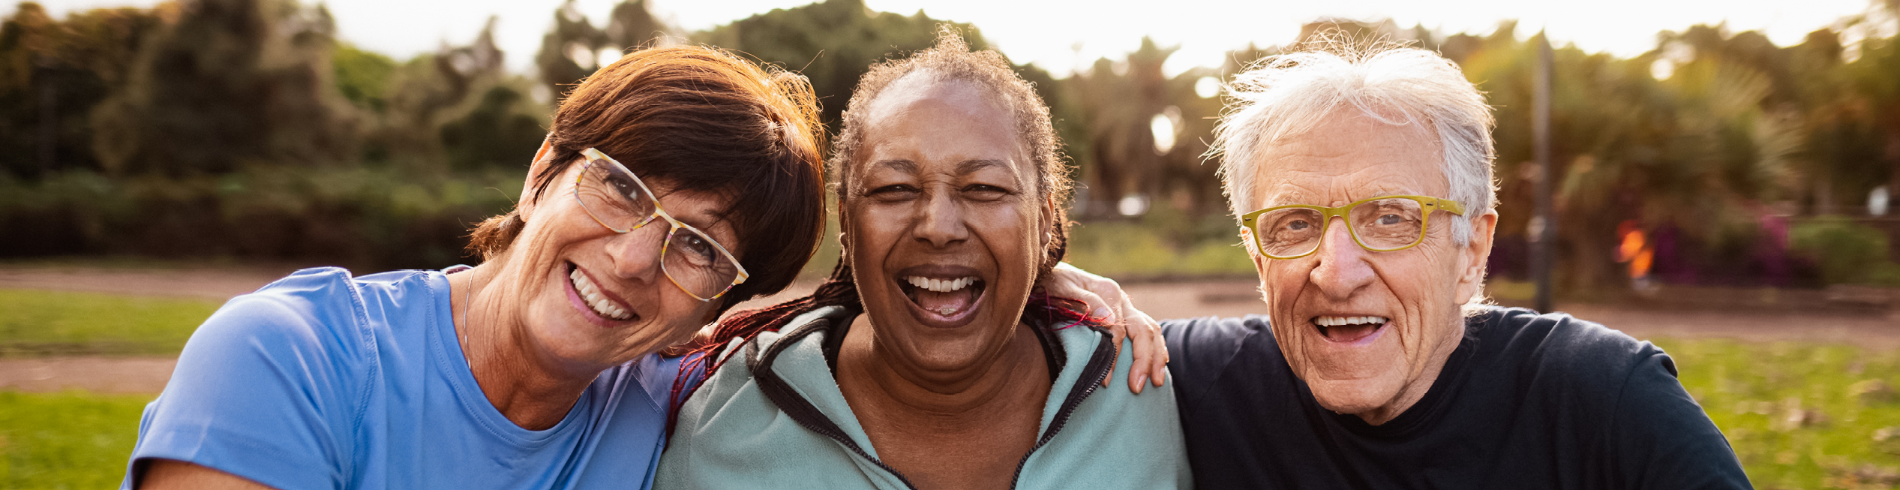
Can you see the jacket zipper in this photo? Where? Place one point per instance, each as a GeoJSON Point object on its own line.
{"type": "Point", "coordinates": [1061, 419]}
{"type": "Point", "coordinates": [1068, 408]}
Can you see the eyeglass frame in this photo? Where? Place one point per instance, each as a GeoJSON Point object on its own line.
{"type": "Point", "coordinates": [593, 155]}
{"type": "Point", "coordinates": [1427, 204]}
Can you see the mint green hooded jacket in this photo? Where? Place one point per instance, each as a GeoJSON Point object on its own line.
{"type": "Point", "coordinates": [773, 417]}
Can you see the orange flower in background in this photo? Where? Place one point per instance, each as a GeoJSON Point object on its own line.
{"type": "Point", "coordinates": [1635, 249]}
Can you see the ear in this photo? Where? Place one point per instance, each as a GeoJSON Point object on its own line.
{"type": "Point", "coordinates": [1048, 222]}
{"type": "Point", "coordinates": [525, 206]}
{"type": "Point", "coordinates": [1253, 253]}
{"type": "Point", "coordinates": [1475, 256]}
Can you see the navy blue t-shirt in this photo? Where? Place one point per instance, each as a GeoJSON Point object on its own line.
{"type": "Point", "coordinates": [1526, 401]}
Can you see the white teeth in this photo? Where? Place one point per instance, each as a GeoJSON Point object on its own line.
{"type": "Point", "coordinates": [590, 294]}
{"type": "Point", "coordinates": [1334, 321]}
{"type": "Point", "coordinates": [940, 285]}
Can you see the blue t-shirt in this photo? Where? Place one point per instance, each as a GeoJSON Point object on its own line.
{"type": "Point", "coordinates": [324, 381]}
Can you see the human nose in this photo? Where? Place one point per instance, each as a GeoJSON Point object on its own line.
{"type": "Point", "coordinates": [636, 254]}
{"type": "Point", "coordinates": [941, 223]}
{"type": "Point", "coordinates": [1342, 266]}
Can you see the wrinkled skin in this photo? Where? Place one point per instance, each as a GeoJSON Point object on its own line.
{"type": "Point", "coordinates": [944, 188]}
{"type": "Point", "coordinates": [1421, 290]}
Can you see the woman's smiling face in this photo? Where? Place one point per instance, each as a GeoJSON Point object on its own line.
{"type": "Point", "coordinates": [590, 297]}
{"type": "Point", "coordinates": [944, 225]}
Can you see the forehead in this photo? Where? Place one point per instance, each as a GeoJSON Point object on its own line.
{"type": "Point", "coordinates": [1349, 156]}
{"type": "Point", "coordinates": [925, 120]}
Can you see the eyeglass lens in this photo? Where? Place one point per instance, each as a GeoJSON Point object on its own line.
{"type": "Point", "coordinates": [1379, 224]}
{"type": "Point", "coordinates": [687, 257]}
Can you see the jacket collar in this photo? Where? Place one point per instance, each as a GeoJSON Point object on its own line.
{"type": "Point", "coordinates": [793, 370]}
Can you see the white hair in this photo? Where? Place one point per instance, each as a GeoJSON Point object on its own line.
{"type": "Point", "coordinates": [1288, 94]}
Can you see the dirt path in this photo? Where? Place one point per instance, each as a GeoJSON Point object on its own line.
{"type": "Point", "coordinates": [204, 282]}
{"type": "Point", "coordinates": [1161, 300]}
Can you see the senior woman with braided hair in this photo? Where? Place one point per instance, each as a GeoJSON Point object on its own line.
{"type": "Point", "coordinates": [928, 360]}
{"type": "Point", "coordinates": [1362, 183]}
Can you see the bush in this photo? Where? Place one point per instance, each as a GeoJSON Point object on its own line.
{"type": "Point", "coordinates": [1847, 252]}
{"type": "Point", "coordinates": [362, 217]}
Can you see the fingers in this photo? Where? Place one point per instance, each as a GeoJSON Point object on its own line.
{"type": "Point", "coordinates": [1106, 313]}
{"type": "Point", "coordinates": [1151, 350]}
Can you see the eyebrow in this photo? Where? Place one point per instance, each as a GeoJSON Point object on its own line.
{"type": "Point", "coordinates": [901, 165]}
{"type": "Point", "coordinates": [970, 166]}
{"type": "Point", "coordinates": [964, 168]}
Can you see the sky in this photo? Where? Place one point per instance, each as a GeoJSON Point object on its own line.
{"type": "Point", "coordinates": [1064, 36]}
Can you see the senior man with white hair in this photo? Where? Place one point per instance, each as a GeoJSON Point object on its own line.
{"type": "Point", "coordinates": [1362, 180]}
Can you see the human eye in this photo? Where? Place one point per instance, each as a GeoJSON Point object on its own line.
{"type": "Point", "coordinates": [986, 192]}
{"type": "Point", "coordinates": [699, 249]}
{"type": "Point", "coordinates": [894, 192]}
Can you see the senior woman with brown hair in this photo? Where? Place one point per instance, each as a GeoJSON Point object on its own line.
{"type": "Point", "coordinates": [929, 360]}
{"type": "Point", "coordinates": [673, 183]}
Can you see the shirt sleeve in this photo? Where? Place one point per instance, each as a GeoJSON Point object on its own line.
{"type": "Point", "coordinates": [262, 391]}
{"type": "Point", "coordinates": [1667, 441]}
{"type": "Point", "coordinates": [1200, 349]}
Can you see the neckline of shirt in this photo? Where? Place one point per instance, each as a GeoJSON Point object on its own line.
{"type": "Point", "coordinates": [452, 363]}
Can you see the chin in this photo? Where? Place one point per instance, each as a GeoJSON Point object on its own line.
{"type": "Point", "coordinates": [1349, 397]}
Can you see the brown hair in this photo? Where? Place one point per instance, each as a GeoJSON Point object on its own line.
{"type": "Point", "coordinates": [701, 119]}
{"type": "Point", "coordinates": [950, 59]}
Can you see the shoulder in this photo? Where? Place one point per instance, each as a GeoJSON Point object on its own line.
{"type": "Point", "coordinates": [321, 308]}
{"type": "Point", "coordinates": [732, 382]}
{"type": "Point", "coordinates": [733, 432]}
{"type": "Point", "coordinates": [1201, 349]}
{"type": "Point", "coordinates": [1563, 347]}
{"type": "Point", "coordinates": [1622, 388]}
{"type": "Point", "coordinates": [283, 371]}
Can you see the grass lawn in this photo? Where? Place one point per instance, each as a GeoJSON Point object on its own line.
{"type": "Point", "coordinates": [1800, 415]}
{"type": "Point", "coordinates": [66, 440]}
{"type": "Point", "coordinates": [34, 322]}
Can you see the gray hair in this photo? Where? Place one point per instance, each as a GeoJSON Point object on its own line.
{"type": "Point", "coordinates": [1285, 95]}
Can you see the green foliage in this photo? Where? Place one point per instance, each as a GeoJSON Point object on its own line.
{"type": "Point", "coordinates": [36, 322]}
{"type": "Point", "coordinates": [67, 440]}
{"type": "Point", "coordinates": [1848, 252]}
{"type": "Point", "coordinates": [575, 48]}
{"type": "Point", "coordinates": [497, 132]}
{"type": "Point", "coordinates": [1800, 415]}
{"type": "Point", "coordinates": [1164, 243]}
{"type": "Point", "coordinates": [52, 73]}
{"type": "Point", "coordinates": [362, 76]}
{"type": "Point", "coordinates": [232, 83]}
{"type": "Point", "coordinates": [364, 217]}
{"type": "Point", "coordinates": [833, 43]}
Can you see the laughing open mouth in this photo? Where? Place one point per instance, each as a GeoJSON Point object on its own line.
{"type": "Point", "coordinates": [1348, 328]}
{"type": "Point", "coordinates": [947, 297]}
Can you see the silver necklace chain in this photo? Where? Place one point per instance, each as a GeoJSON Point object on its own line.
{"type": "Point", "coordinates": [468, 302]}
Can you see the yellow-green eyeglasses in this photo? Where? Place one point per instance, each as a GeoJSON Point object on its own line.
{"type": "Point", "coordinates": [621, 202]}
{"type": "Point", "coordinates": [1380, 224]}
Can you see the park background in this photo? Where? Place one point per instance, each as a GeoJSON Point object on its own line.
{"type": "Point", "coordinates": [1719, 193]}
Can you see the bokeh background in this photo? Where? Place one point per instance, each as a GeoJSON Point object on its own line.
{"type": "Point", "coordinates": [1724, 191]}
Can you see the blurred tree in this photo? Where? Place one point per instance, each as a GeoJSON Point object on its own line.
{"type": "Point", "coordinates": [362, 76]}
{"type": "Point", "coordinates": [832, 42]}
{"type": "Point", "coordinates": [457, 108]}
{"type": "Point", "coordinates": [231, 83]}
{"type": "Point", "coordinates": [574, 48]}
{"type": "Point", "coordinates": [53, 72]}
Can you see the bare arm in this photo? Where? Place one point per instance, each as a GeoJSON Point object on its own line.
{"type": "Point", "coordinates": [166, 474]}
